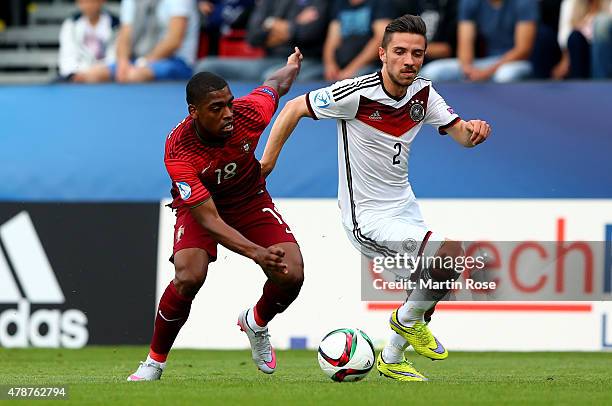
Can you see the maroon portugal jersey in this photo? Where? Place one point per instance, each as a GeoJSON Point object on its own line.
{"type": "Point", "coordinates": [228, 172]}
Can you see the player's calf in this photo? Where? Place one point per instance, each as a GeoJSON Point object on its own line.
{"type": "Point", "coordinates": [421, 300]}
{"type": "Point", "coordinates": [410, 320]}
{"type": "Point", "coordinates": [173, 310]}
{"type": "Point", "coordinates": [279, 291]}
{"type": "Point", "coordinates": [448, 253]}
{"type": "Point", "coordinates": [190, 269]}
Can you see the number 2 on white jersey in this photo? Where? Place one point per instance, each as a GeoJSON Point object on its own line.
{"type": "Point", "coordinates": [398, 147]}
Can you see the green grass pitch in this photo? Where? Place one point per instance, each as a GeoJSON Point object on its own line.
{"type": "Point", "coordinates": [96, 375]}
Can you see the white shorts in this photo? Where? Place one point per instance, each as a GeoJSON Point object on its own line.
{"type": "Point", "coordinates": [403, 233]}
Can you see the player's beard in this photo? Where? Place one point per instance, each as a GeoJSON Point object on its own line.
{"type": "Point", "coordinates": [404, 81]}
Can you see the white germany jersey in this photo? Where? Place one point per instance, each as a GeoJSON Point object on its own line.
{"type": "Point", "coordinates": [375, 132]}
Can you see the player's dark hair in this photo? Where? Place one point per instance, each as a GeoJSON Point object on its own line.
{"type": "Point", "coordinates": [406, 23]}
{"type": "Point", "coordinates": [201, 84]}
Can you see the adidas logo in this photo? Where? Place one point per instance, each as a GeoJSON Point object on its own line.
{"type": "Point", "coordinates": [24, 262]}
{"type": "Point", "coordinates": [375, 116]}
{"type": "Point", "coordinates": [367, 364]}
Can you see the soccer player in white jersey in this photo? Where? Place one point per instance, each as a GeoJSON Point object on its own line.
{"type": "Point", "coordinates": [378, 117]}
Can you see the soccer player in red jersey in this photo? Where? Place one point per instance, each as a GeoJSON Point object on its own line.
{"type": "Point", "coordinates": [220, 197]}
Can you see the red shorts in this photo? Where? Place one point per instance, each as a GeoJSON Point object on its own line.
{"type": "Point", "coordinates": [259, 222]}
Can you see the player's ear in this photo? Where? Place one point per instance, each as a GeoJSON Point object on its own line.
{"type": "Point", "coordinates": [193, 111]}
{"type": "Point", "coordinates": [381, 54]}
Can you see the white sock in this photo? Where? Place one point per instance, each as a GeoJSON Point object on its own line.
{"type": "Point", "coordinates": [393, 353]}
{"type": "Point", "coordinates": [413, 310]}
{"type": "Point", "coordinates": [162, 365]}
{"type": "Point", "coordinates": [251, 320]}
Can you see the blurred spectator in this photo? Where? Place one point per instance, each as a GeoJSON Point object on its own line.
{"type": "Point", "coordinates": [353, 38]}
{"type": "Point", "coordinates": [440, 17]}
{"type": "Point", "coordinates": [221, 16]}
{"type": "Point", "coordinates": [278, 26]}
{"type": "Point", "coordinates": [157, 40]}
{"type": "Point", "coordinates": [507, 28]}
{"type": "Point", "coordinates": [87, 38]}
{"type": "Point", "coordinates": [546, 52]}
{"type": "Point", "coordinates": [601, 50]}
{"type": "Point", "coordinates": [584, 53]}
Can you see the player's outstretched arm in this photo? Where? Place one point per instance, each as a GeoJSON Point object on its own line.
{"type": "Point", "coordinates": [270, 259]}
{"type": "Point", "coordinates": [282, 79]}
{"type": "Point", "coordinates": [284, 125]}
{"type": "Point", "coordinates": [470, 133]}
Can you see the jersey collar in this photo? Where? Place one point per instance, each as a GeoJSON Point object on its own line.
{"type": "Point", "coordinates": [382, 84]}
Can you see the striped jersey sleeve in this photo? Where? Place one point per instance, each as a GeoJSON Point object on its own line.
{"type": "Point", "coordinates": [340, 100]}
{"type": "Point", "coordinates": [439, 114]}
{"type": "Point", "coordinates": [259, 105]}
{"type": "Point", "coordinates": [185, 178]}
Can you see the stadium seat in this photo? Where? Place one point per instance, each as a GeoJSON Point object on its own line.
{"type": "Point", "coordinates": [234, 45]}
{"type": "Point", "coordinates": [32, 66]}
{"type": "Point", "coordinates": [55, 13]}
{"type": "Point", "coordinates": [47, 35]}
{"type": "Point", "coordinates": [203, 45]}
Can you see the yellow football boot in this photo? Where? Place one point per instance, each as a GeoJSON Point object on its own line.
{"type": "Point", "coordinates": [420, 338]}
{"type": "Point", "coordinates": [403, 371]}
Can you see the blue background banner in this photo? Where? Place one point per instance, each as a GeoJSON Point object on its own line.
{"type": "Point", "coordinates": [106, 143]}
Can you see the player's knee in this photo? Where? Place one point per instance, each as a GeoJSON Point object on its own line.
{"type": "Point", "coordinates": [448, 253]}
{"type": "Point", "coordinates": [451, 249]}
{"type": "Point", "coordinates": [188, 280]}
{"type": "Point", "coordinates": [295, 277]}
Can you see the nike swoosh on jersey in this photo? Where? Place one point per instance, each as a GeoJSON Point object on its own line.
{"type": "Point", "coordinates": [205, 169]}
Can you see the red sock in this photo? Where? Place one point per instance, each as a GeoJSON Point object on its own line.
{"type": "Point", "coordinates": [172, 313]}
{"type": "Point", "coordinates": [274, 300]}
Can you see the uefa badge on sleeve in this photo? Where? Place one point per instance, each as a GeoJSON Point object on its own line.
{"type": "Point", "coordinates": [322, 99]}
{"type": "Point", "coordinates": [184, 190]}
{"type": "Point", "coordinates": [417, 111]}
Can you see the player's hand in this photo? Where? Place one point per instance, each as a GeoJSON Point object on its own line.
{"type": "Point", "coordinates": [296, 57]}
{"type": "Point", "coordinates": [479, 131]}
{"type": "Point", "coordinates": [271, 259]}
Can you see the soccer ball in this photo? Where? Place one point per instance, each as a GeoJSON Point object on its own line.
{"type": "Point", "coordinates": [346, 355]}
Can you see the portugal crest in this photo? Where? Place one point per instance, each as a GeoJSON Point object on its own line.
{"type": "Point", "coordinates": [246, 147]}
{"type": "Point", "coordinates": [417, 110]}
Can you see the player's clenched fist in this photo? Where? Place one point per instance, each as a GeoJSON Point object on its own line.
{"type": "Point", "coordinates": [296, 57]}
{"type": "Point", "coordinates": [479, 130]}
{"type": "Point", "coordinates": [271, 259]}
